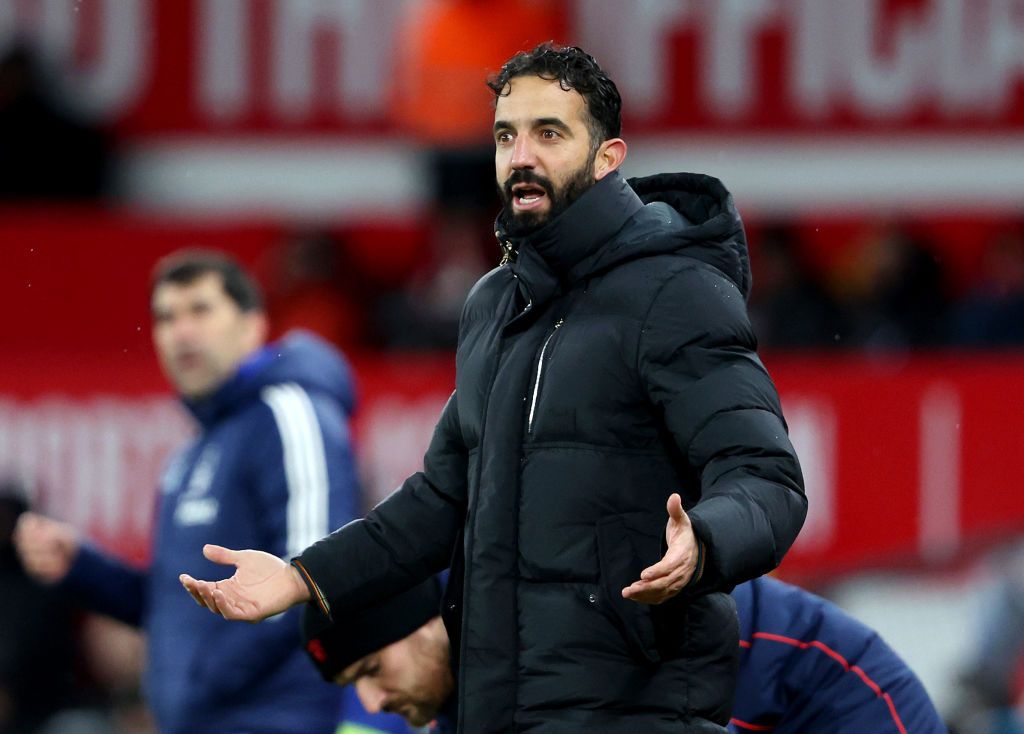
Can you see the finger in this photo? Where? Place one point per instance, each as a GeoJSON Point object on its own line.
{"type": "Point", "coordinates": [674, 580]}
{"type": "Point", "coordinates": [205, 591]}
{"type": "Point", "coordinates": [193, 585]}
{"type": "Point", "coordinates": [675, 507]}
{"type": "Point", "coordinates": [220, 554]}
{"type": "Point", "coordinates": [652, 593]}
{"type": "Point", "coordinates": [660, 584]}
{"type": "Point", "coordinates": [642, 595]}
{"type": "Point", "coordinates": [235, 609]}
{"type": "Point", "coordinates": [189, 583]}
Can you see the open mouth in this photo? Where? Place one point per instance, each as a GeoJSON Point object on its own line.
{"type": "Point", "coordinates": [526, 196]}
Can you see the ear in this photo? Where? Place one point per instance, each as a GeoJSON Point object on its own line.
{"type": "Point", "coordinates": [609, 157]}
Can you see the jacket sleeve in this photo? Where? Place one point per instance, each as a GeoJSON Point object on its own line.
{"type": "Point", "coordinates": [403, 540]}
{"type": "Point", "coordinates": [698, 363]}
{"type": "Point", "coordinates": [106, 585]}
{"type": "Point", "coordinates": [806, 665]}
{"type": "Point", "coordinates": [302, 482]}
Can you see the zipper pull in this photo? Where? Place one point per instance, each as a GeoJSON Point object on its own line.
{"type": "Point", "coordinates": [508, 251]}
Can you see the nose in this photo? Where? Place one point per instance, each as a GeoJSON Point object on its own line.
{"type": "Point", "coordinates": [371, 696]}
{"type": "Point", "coordinates": [181, 328]}
{"type": "Point", "coordinates": [522, 153]}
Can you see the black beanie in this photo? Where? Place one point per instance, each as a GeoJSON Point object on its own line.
{"type": "Point", "coordinates": [333, 646]}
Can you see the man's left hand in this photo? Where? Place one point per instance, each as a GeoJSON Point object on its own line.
{"type": "Point", "coordinates": [667, 577]}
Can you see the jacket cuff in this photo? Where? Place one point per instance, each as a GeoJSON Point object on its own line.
{"type": "Point", "coordinates": [698, 570]}
{"type": "Point", "coordinates": [314, 591]}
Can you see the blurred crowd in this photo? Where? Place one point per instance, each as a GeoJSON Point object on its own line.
{"type": "Point", "coordinates": [885, 290]}
{"type": "Point", "coordinates": [889, 290]}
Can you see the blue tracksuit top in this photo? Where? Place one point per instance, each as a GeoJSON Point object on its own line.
{"type": "Point", "coordinates": [806, 666]}
{"type": "Point", "coordinates": [271, 469]}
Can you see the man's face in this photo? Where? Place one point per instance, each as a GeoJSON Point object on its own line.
{"type": "Point", "coordinates": [201, 335]}
{"type": "Point", "coordinates": [410, 678]}
{"type": "Point", "coordinates": [543, 155]}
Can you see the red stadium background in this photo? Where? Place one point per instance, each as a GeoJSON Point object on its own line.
{"type": "Point", "coordinates": [238, 124]}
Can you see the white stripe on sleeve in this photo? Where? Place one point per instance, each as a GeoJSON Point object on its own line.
{"type": "Point", "coordinates": [305, 464]}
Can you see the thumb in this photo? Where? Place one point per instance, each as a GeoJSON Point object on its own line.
{"type": "Point", "coordinates": [220, 554]}
{"type": "Point", "coordinates": [675, 508]}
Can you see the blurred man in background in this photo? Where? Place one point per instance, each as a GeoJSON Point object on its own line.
{"type": "Point", "coordinates": [271, 467]}
{"type": "Point", "coordinates": [806, 667]}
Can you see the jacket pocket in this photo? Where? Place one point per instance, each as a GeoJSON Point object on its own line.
{"type": "Point", "coordinates": [625, 547]}
{"type": "Point", "coordinates": [451, 602]}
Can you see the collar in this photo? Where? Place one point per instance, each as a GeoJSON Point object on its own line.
{"type": "Point", "coordinates": [579, 232]}
{"type": "Point", "coordinates": [207, 409]}
{"type": "Point", "coordinates": [565, 249]}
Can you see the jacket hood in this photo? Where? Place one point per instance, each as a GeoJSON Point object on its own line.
{"type": "Point", "coordinates": [699, 215]}
{"type": "Point", "coordinates": [618, 220]}
{"type": "Point", "coordinates": [298, 357]}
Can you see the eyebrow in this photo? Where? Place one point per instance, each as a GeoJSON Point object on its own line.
{"type": "Point", "coordinates": [539, 122]}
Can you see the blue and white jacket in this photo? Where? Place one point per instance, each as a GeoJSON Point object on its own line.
{"type": "Point", "coordinates": [806, 666]}
{"type": "Point", "coordinates": [271, 469]}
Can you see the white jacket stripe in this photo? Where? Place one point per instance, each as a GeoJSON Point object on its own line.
{"type": "Point", "coordinates": [305, 464]}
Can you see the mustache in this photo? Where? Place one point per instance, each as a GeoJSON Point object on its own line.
{"type": "Point", "coordinates": [526, 176]}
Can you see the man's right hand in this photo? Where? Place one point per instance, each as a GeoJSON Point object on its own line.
{"type": "Point", "coordinates": [47, 548]}
{"type": "Point", "coordinates": [263, 585]}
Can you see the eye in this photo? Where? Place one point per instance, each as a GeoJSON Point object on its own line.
{"type": "Point", "coordinates": [503, 138]}
{"type": "Point", "coordinates": [550, 134]}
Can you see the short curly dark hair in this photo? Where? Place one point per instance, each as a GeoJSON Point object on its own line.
{"type": "Point", "coordinates": [574, 69]}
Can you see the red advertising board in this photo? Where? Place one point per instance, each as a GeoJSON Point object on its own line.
{"type": "Point", "coordinates": [160, 67]}
{"type": "Point", "coordinates": [908, 463]}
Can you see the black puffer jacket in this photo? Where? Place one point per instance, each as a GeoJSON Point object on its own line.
{"type": "Point", "coordinates": [610, 365]}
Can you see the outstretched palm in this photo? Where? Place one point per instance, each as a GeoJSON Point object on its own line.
{"type": "Point", "coordinates": [667, 577]}
{"type": "Point", "coordinates": [263, 585]}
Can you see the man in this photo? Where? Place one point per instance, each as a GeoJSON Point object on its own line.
{"type": "Point", "coordinates": [605, 371]}
{"type": "Point", "coordinates": [396, 657]}
{"type": "Point", "coordinates": [806, 666]}
{"type": "Point", "coordinates": [271, 468]}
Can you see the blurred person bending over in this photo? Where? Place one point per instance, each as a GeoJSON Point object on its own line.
{"type": "Point", "coordinates": [806, 666]}
{"type": "Point", "coordinates": [393, 658]}
{"type": "Point", "coordinates": [605, 372]}
{"type": "Point", "coordinates": [271, 468]}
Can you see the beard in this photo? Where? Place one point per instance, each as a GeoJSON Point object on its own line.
{"type": "Point", "coordinates": [524, 223]}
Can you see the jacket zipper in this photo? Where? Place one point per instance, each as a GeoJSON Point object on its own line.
{"type": "Point", "coordinates": [540, 371]}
